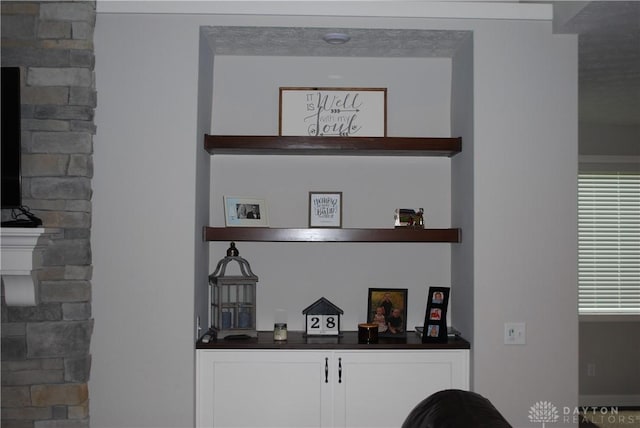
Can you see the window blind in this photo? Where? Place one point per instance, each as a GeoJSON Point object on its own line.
{"type": "Point", "coordinates": [609, 243]}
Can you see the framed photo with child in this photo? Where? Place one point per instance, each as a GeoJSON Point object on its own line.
{"type": "Point", "coordinates": [387, 307]}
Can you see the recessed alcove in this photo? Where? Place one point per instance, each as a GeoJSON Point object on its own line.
{"type": "Point", "coordinates": [421, 70]}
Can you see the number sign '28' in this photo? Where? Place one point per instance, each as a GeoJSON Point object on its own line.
{"type": "Point", "coordinates": [322, 325]}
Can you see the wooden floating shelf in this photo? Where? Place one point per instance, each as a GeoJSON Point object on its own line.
{"type": "Point", "coordinates": [265, 234]}
{"type": "Point", "coordinates": [345, 146]}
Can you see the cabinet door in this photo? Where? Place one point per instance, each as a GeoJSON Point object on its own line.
{"type": "Point", "coordinates": [379, 389]}
{"type": "Point", "coordinates": [262, 389]}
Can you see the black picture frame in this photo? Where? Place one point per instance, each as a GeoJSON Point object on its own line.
{"type": "Point", "coordinates": [325, 209]}
{"type": "Point", "coordinates": [393, 301]}
{"type": "Point", "coordinates": [435, 318]}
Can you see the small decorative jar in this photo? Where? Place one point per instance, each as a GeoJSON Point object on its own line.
{"type": "Point", "coordinates": [367, 333]}
{"type": "Point", "coordinates": [280, 331]}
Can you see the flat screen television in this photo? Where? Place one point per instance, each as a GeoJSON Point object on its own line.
{"type": "Point", "coordinates": [11, 146]}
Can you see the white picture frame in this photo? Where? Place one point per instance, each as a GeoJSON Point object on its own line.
{"type": "Point", "coordinates": [333, 112]}
{"type": "Point", "coordinates": [245, 212]}
{"type": "Point", "coordinates": [325, 209]}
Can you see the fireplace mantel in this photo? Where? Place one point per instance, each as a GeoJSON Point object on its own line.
{"type": "Point", "coordinates": [18, 276]}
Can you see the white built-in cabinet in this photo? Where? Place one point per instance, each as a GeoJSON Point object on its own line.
{"type": "Point", "coordinates": [321, 388]}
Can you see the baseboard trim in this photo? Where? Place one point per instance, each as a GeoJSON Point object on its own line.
{"type": "Point", "coordinates": [632, 400]}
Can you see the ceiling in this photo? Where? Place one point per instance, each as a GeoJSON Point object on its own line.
{"type": "Point", "coordinates": [609, 51]}
{"type": "Point", "coordinates": [308, 41]}
{"type": "Point", "coordinates": [608, 61]}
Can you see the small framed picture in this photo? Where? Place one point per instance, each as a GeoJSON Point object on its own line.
{"type": "Point", "coordinates": [409, 217]}
{"type": "Point", "coordinates": [435, 319]}
{"type": "Point", "coordinates": [245, 212]}
{"type": "Point", "coordinates": [387, 307]}
{"type": "Point", "coordinates": [325, 209]}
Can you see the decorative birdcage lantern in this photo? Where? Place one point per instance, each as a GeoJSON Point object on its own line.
{"type": "Point", "coordinates": [233, 298]}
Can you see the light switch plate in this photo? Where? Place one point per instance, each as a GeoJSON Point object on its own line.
{"type": "Point", "coordinates": [514, 333]}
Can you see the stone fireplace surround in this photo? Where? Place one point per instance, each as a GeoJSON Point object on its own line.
{"type": "Point", "coordinates": [45, 347]}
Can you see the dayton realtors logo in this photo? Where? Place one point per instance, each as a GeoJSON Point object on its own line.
{"type": "Point", "coordinates": [543, 411]}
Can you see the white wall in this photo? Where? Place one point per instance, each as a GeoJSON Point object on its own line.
{"type": "Point", "coordinates": [245, 97]}
{"type": "Point", "coordinates": [609, 139]}
{"type": "Point", "coordinates": [202, 170]}
{"type": "Point", "coordinates": [462, 192]}
{"type": "Point", "coordinates": [245, 102]}
{"type": "Point", "coordinates": [611, 347]}
{"type": "Point", "coordinates": [525, 167]}
{"type": "Point", "coordinates": [145, 231]}
{"type": "Point", "coordinates": [143, 222]}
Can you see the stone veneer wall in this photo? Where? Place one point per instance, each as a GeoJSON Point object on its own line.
{"type": "Point", "coordinates": [45, 349]}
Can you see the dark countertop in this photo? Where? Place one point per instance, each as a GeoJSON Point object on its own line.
{"type": "Point", "coordinates": [348, 340]}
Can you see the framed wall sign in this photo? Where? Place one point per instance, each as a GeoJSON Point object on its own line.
{"type": "Point", "coordinates": [387, 307]}
{"type": "Point", "coordinates": [245, 212]}
{"type": "Point", "coordinates": [325, 209]}
{"type": "Point", "coordinates": [435, 319]}
{"type": "Point", "coordinates": [326, 112]}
